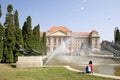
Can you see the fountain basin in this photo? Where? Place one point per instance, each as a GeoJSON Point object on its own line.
{"type": "Point", "coordinates": [102, 64]}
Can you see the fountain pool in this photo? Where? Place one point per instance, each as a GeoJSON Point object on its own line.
{"type": "Point", "coordinates": [103, 63]}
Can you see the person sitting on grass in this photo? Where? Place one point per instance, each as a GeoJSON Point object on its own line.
{"type": "Point", "coordinates": [89, 67]}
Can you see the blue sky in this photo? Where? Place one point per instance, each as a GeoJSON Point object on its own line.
{"type": "Point", "coordinates": [78, 15]}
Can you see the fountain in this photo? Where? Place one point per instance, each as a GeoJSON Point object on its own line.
{"type": "Point", "coordinates": [104, 62]}
{"type": "Point", "coordinates": [61, 50]}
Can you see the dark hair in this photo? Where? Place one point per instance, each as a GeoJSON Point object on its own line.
{"type": "Point", "coordinates": [90, 62]}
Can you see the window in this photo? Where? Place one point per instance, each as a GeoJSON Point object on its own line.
{"type": "Point", "coordinates": [96, 42]}
{"type": "Point", "coordinates": [48, 40]}
{"type": "Point", "coordinates": [59, 40]}
{"type": "Point", "coordinates": [55, 41]}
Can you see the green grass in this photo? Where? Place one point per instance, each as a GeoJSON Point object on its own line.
{"type": "Point", "coordinates": [44, 73]}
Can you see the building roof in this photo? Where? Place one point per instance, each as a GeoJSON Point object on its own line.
{"type": "Point", "coordinates": [56, 28]}
{"type": "Point", "coordinates": [65, 29]}
{"type": "Point", "coordinates": [81, 33]}
{"type": "Point", "coordinates": [94, 31]}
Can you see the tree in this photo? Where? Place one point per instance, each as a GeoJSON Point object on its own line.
{"type": "Point", "coordinates": [43, 40]}
{"type": "Point", "coordinates": [1, 39]}
{"type": "Point", "coordinates": [27, 33]}
{"type": "Point", "coordinates": [36, 38]}
{"type": "Point", "coordinates": [9, 8]}
{"type": "Point", "coordinates": [18, 36]}
{"type": "Point", "coordinates": [1, 35]}
{"type": "Point", "coordinates": [0, 11]}
{"type": "Point", "coordinates": [24, 30]}
{"type": "Point", "coordinates": [18, 31]}
{"type": "Point", "coordinates": [5, 52]}
{"type": "Point", "coordinates": [9, 56]}
{"type": "Point", "coordinates": [9, 37]}
{"type": "Point", "coordinates": [117, 36]}
{"type": "Point", "coordinates": [43, 44]}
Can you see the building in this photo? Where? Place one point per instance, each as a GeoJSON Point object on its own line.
{"type": "Point", "coordinates": [57, 34]}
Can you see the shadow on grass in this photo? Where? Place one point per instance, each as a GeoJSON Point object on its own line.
{"type": "Point", "coordinates": [13, 65]}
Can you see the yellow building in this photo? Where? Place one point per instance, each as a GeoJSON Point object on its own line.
{"type": "Point", "coordinates": [57, 34]}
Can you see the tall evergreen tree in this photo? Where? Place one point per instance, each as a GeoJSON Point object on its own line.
{"type": "Point", "coordinates": [18, 31]}
{"type": "Point", "coordinates": [117, 36]}
{"type": "Point", "coordinates": [1, 39]}
{"type": "Point", "coordinates": [27, 33]}
{"type": "Point", "coordinates": [24, 30]}
{"type": "Point", "coordinates": [9, 38]}
{"type": "Point", "coordinates": [0, 11]}
{"type": "Point", "coordinates": [1, 35]}
{"type": "Point", "coordinates": [36, 37]}
{"type": "Point", "coordinates": [43, 44]}
{"type": "Point", "coordinates": [18, 36]}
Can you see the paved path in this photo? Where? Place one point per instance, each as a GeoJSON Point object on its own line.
{"type": "Point", "coordinates": [96, 74]}
{"type": "Point", "coordinates": [108, 76]}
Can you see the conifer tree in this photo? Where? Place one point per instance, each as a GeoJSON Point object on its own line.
{"type": "Point", "coordinates": [0, 11]}
{"type": "Point", "coordinates": [24, 30]}
{"type": "Point", "coordinates": [4, 56]}
{"type": "Point", "coordinates": [9, 38]}
{"type": "Point", "coordinates": [43, 44]}
{"type": "Point", "coordinates": [1, 35]}
{"type": "Point", "coordinates": [18, 36]}
{"type": "Point", "coordinates": [117, 36]}
{"type": "Point", "coordinates": [1, 39]}
{"type": "Point", "coordinates": [36, 37]}
{"type": "Point", "coordinates": [9, 8]}
{"type": "Point", "coordinates": [9, 56]}
{"type": "Point", "coordinates": [27, 33]}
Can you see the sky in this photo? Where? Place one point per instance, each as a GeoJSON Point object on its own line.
{"type": "Point", "coordinates": [77, 15]}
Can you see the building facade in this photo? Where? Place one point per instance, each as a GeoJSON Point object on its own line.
{"type": "Point", "coordinates": [58, 34]}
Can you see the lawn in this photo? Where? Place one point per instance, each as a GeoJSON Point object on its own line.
{"type": "Point", "coordinates": [8, 72]}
